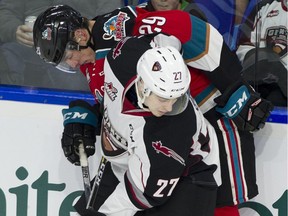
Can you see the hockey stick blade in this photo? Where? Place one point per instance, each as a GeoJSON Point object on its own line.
{"type": "Point", "coordinates": [98, 178]}
{"type": "Point", "coordinates": [85, 171]}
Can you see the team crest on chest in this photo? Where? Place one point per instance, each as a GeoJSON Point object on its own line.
{"type": "Point", "coordinates": [110, 90]}
{"type": "Point", "coordinates": [115, 27]}
{"type": "Point", "coordinates": [167, 152]}
{"type": "Point", "coordinates": [276, 38]}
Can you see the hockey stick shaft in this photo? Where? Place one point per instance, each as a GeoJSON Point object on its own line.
{"type": "Point", "coordinates": [98, 178]}
{"type": "Point", "coordinates": [85, 171]}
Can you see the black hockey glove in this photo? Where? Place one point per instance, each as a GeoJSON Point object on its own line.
{"type": "Point", "coordinates": [244, 106]}
{"type": "Point", "coordinates": [81, 124]}
{"type": "Point", "coordinates": [270, 69]}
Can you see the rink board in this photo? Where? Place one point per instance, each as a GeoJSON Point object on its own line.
{"type": "Point", "coordinates": [36, 178]}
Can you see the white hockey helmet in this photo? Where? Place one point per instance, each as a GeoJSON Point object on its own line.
{"type": "Point", "coordinates": [164, 73]}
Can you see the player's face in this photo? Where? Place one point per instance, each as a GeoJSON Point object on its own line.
{"type": "Point", "coordinates": [75, 58]}
{"type": "Point", "coordinates": [163, 5]}
{"type": "Point", "coordinates": [159, 106]}
{"type": "Point", "coordinates": [76, 53]}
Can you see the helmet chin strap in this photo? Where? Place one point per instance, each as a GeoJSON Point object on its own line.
{"type": "Point", "coordinates": [83, 47]}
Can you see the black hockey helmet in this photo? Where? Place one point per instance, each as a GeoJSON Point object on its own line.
{"type": "Point", "coordinates": [54, 30]}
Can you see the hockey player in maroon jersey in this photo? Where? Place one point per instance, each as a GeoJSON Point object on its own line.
{"type": "Point", "coordinates": [210, 54]}
{"type": "Point", "coordinates": [264, 35]}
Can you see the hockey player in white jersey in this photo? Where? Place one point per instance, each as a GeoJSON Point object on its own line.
{"type": "Point", "coordinates": [160, 148]}
{"type": "Point", "coordinates": [263, 50]}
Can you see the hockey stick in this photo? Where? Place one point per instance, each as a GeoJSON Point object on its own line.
{"type": "Point", "coordinates": [98, 178]}
{"type": "Point", "coordinates": [257, 44]}
{"type": "Point", "coordinates": [85, 171]}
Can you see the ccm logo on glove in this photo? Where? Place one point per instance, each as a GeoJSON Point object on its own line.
{"type": "Point", "coordinates": [79, 115]}
{"type": "Point", "coordinates": [235, 103]}
{"type": "Point", "coordinates": [75, 115]}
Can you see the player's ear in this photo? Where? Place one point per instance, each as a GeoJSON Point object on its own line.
{"type": "Point", "coordinates": [140, 86]}
{"type": "Point", "coordinates": [81, 35]}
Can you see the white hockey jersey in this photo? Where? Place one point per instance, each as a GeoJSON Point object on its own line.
{"type": "Point", "coordinates": [147, 154]}
{"type": "Point", "coordinates": [269, 29]}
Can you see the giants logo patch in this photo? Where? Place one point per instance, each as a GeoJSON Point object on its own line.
{"type": "Point", "coordinates": [167, 152]}
{"type": "Point", "coordinates": [276, 39]}
{"type": "Point", "coordinates": [115, 27]}
{"type": "Point", "coordinates": [110, 90]}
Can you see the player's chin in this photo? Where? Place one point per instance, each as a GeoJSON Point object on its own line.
{"type": "Point", "coordinates": [162, 8]}
{"type": "Point", "coordinates": [159, 113]}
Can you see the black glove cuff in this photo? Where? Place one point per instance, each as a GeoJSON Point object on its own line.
{"type": "Point", "coordinates": [84, 104]}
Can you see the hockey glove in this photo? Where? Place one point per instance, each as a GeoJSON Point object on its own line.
{"type": "Point", "coordinates": [270, 69]}
{"type": "Point", "coordinates": [244, 106]}
{"type": "Point", "coordinates": [81, 122]}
